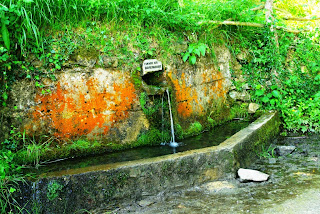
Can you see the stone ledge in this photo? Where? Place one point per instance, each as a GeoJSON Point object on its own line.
{"type": "Point", "coordinates": [112, 184]}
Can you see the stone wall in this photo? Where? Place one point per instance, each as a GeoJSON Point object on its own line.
{"type": "Point", "coordinates": [100, 102]}
{"type": "Point", "coordinates": [201, 89]}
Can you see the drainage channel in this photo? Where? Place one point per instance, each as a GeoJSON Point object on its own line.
{"type": "Point", "coordinates": [113, 184]}
{"type": "Point", "coordinates": [203, 140]}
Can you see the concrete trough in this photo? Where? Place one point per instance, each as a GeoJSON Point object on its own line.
{"type": "Point", "coordinates": [107, 186]}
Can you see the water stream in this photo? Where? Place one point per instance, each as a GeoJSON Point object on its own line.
{"type": "Point", "coordinates": [172, 143]}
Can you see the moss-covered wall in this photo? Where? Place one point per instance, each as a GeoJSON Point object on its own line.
{"type": "Point", "coordinates": [99, 102]}
{"type": "Point", "coordinates": [200, 91]}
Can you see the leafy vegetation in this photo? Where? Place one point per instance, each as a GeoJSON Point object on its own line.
{"type": "Point", "coordinates": [54, 189]}
{"type": "Point", "coordinates": [285, 78]}
{"type": "Point", "coordinates": [10, 177]}
{"type": "Point", "coordinates": [267, 152]}
{"type": "Point", "coordinates": [194, 49]}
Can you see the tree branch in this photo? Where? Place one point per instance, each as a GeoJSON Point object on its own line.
{"type": "Point", "coordinates": [282, 10]}
{"type": "Point", "coordinates": [301, 19]}
{"type": "Point", "coordinates": [290, 30]}
{"type": "Point", "coordinates": [258, 8]}
{"type": "Point", "coordinates": [250, 24]}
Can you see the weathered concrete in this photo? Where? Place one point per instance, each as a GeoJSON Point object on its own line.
{"type": "Point", "coordinates": [111, 184]}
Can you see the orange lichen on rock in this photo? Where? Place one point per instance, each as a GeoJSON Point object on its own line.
{"type": "Point", "coordinates": [194, 93]}
{"type": "Point", "coordinates": [73, 110]}
{"type": "Point", "coordinates": [183, 96]}
{"type": "Point", "coordinates": [217, 86]}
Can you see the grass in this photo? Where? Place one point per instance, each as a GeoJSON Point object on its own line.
{"type": "Point", "coordinates": [35, 16]}
{"type": "Point", "coordinates": [267, 152]}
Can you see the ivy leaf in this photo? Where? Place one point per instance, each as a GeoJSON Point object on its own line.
{"type": "Point", "coordinates": [273, 87]}
{"type": "Point", "coordinates": [272, 101]}
{"type": "Point", "coordinates": [190, 48]}
{"type": "Point", "coordinates": [12, 190]}
{"type": "Point", "coordinates": [276, 93]}
{"type": "Point", "coordinates": [202, 49]}
{"type": "Point", "coordinates": [5, 36]}
{"type": "Point", "coordinates": [193, 59]}
{"type": "Point", "coordinates": [2, 172]}
{"type": "Point", "coordinates": [5, 95]}
{"type": "Point", "coordinates": [265, 99]}
{"type": "Point", "coordinates": [304, 129]}
{"type": "Point", "coordinates": [259, 93]}
{"type": "Point", "coordinates": [197, 51]}
{"type": "Point", "coordinates": [185, 57]}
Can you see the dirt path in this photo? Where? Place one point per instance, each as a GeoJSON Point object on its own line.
{"type": "Point", "coordinates": [306, 203]}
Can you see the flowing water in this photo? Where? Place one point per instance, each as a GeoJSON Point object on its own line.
{"type": "Point", "coordinates": [172, 143]}
{"type": "Point", "coordinates": [293, 187]}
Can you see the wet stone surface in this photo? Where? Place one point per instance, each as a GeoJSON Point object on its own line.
{"type": "Point", "coordinates": [294, 185]}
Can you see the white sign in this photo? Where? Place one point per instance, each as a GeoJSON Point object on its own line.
{"type": "Point", "coordinates": [151, 65]}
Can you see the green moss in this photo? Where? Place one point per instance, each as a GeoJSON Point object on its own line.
{"type": "Point", "coordinates": [114, 181]}
{"type": "Point", "coordinates": [178, 131]}
{"type": "Point", "coordinates": [150, 137]}
{"type": "Point", "coordinates": [259, 139]}
{"type": "Point", "coordinates": [148, 111]}
{"type": "Point", "coordinates": [89, 53]}
{"type": "Point", "coordinates": [211, 122]}
{"type": "Point", "coordinates": [166, 165]}
{"type": "Point", "coordinates": [53, 190]}
{"type": "Point", "coordinates": [194, 129]}
{"type": "Point", "coordinates": [137, 80]}
{"type": "Point", "coordinates": [239, 110]}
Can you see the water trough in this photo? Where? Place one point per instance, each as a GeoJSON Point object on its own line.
{"type": "Point", "coordinates": [109, 185]}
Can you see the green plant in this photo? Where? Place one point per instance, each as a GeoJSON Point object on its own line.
{"type": "Point", "coordinates": [195, 49]}
{"type": "Point", "coordinates": [10, 177]}
{"type": "Point", "coordinates": [151, 137]}
{"type": "Point", "coordinates": [239, 111]}
{"type": "Point", "coordinates": [137, 80]}
{"type": "Point", "coordinates": [54, 189]}
{"type": "Point", "coordinates": [195, 128]}
{"type": "Point", "coordinates": [148, 110]}
{"type": "Point", "coordinates": [284, 78]}
{"type": "Point", "coordinates": [267, 152]}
